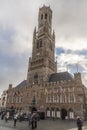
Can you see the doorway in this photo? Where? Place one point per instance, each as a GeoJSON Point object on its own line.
{"type": "Point", "coordinates": [63, 114]}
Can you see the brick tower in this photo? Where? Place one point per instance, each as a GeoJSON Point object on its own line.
{"type": "Point", "coordinates": [42, 63]}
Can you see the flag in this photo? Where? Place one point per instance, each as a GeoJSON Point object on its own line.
{"type": "Point", "coordinates": [46, 91]}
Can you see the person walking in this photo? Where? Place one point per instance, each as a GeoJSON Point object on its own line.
{"type": "Point", "coordinates": [79, 123]}
{"type": "Point", "coordinates": [6, 116]}
{"type": "Point", "coordinates": [15, 119]}
{"type": "Point", "coordinates": [35, 120]}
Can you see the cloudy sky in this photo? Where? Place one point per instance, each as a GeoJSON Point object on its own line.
{"type": "Point", "coordinates": [17, 21]}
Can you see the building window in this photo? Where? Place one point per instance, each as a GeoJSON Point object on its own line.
{"type": "Point", "coordinates": [55, 98]}
{"type": "Point", "coordinates": [17, 99]}
{"type": "Point", "coordinates": [72, 98]}
{"type": "Point", "coordinates": [63, 99]}
{"type": "Point", "coordinates": [39, 44]}
{"type": "Point", "coordinates": [45, 16]}
{"type": "Point", "coordinates": [48, 99]}
{"type": "Point", "coordinates": [41, 16]}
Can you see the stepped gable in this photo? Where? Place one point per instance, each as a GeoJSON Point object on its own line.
{"type": "Point", "coordinates": [22, 84]}
{"type": "Point", "coordinates": [62, 76]}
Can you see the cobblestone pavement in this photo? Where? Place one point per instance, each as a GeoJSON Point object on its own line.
{"type": "Point", "coordinates": [42, 125]}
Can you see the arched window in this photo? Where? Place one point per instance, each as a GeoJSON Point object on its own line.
{"type": "Point", "coordinates": [36, 78]}
{"type": "Point", "coordinates": [39, 44]}
{"type": "Point", "coordinates": [48, 98]}
{"type": "Point", "coordinates": [63, 98]}
{"type": "Point", "coordinates": [41, 16]}
{"type": "Point", "coordinates": [55, 98]}
{"type": "Point", "coordinates": [45, 16]}
{"type": "Point", "coordinates": [72, 99]}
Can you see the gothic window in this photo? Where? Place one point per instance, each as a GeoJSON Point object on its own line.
{"type": "Point", "coordinates": [63, 98]}
{"type": "Point", "coordinates": [36, 78]}
{"type": "Point", "coordinates": [48, 99]}
{"type": "Point", "coordinates": [41, 16]}
{"type": "Point", "coordinates": [16, 99]}
{"type": "Point", "coordinates": [39, 44]}
{"type": "Point", "coordinates": [72, 100]}
{"type": "Point", "coordinates": [45, 16]}
{"type": "Point", "coordinates": [55, 98]}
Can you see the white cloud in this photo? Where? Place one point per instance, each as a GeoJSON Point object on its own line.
{"type": "Point", "coordinates": [71, 58]}
{"type": "Point", "coordinates": [73, 44]}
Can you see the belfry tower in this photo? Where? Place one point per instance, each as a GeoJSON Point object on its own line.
{"type": "Point", "coordinates": [42, 63]}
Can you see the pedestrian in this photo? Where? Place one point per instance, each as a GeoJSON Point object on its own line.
{"type": "Point", "coordinates": [79, 123]}
{"type": "Point", "coordinates": [15, 119]}
{"type": "Point", "coordinates": [6, 116]}
{"type": "Point", "coordinates": [35, 120]}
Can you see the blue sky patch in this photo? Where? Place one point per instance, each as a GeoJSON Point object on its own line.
{"type": "Point", "coordinates": [6, 34]}
{"type": "Point", "coordinates": [59, 50]}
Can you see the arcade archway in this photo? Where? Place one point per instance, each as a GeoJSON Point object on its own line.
{"type": "Point", "coordinates": [63, 113]}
